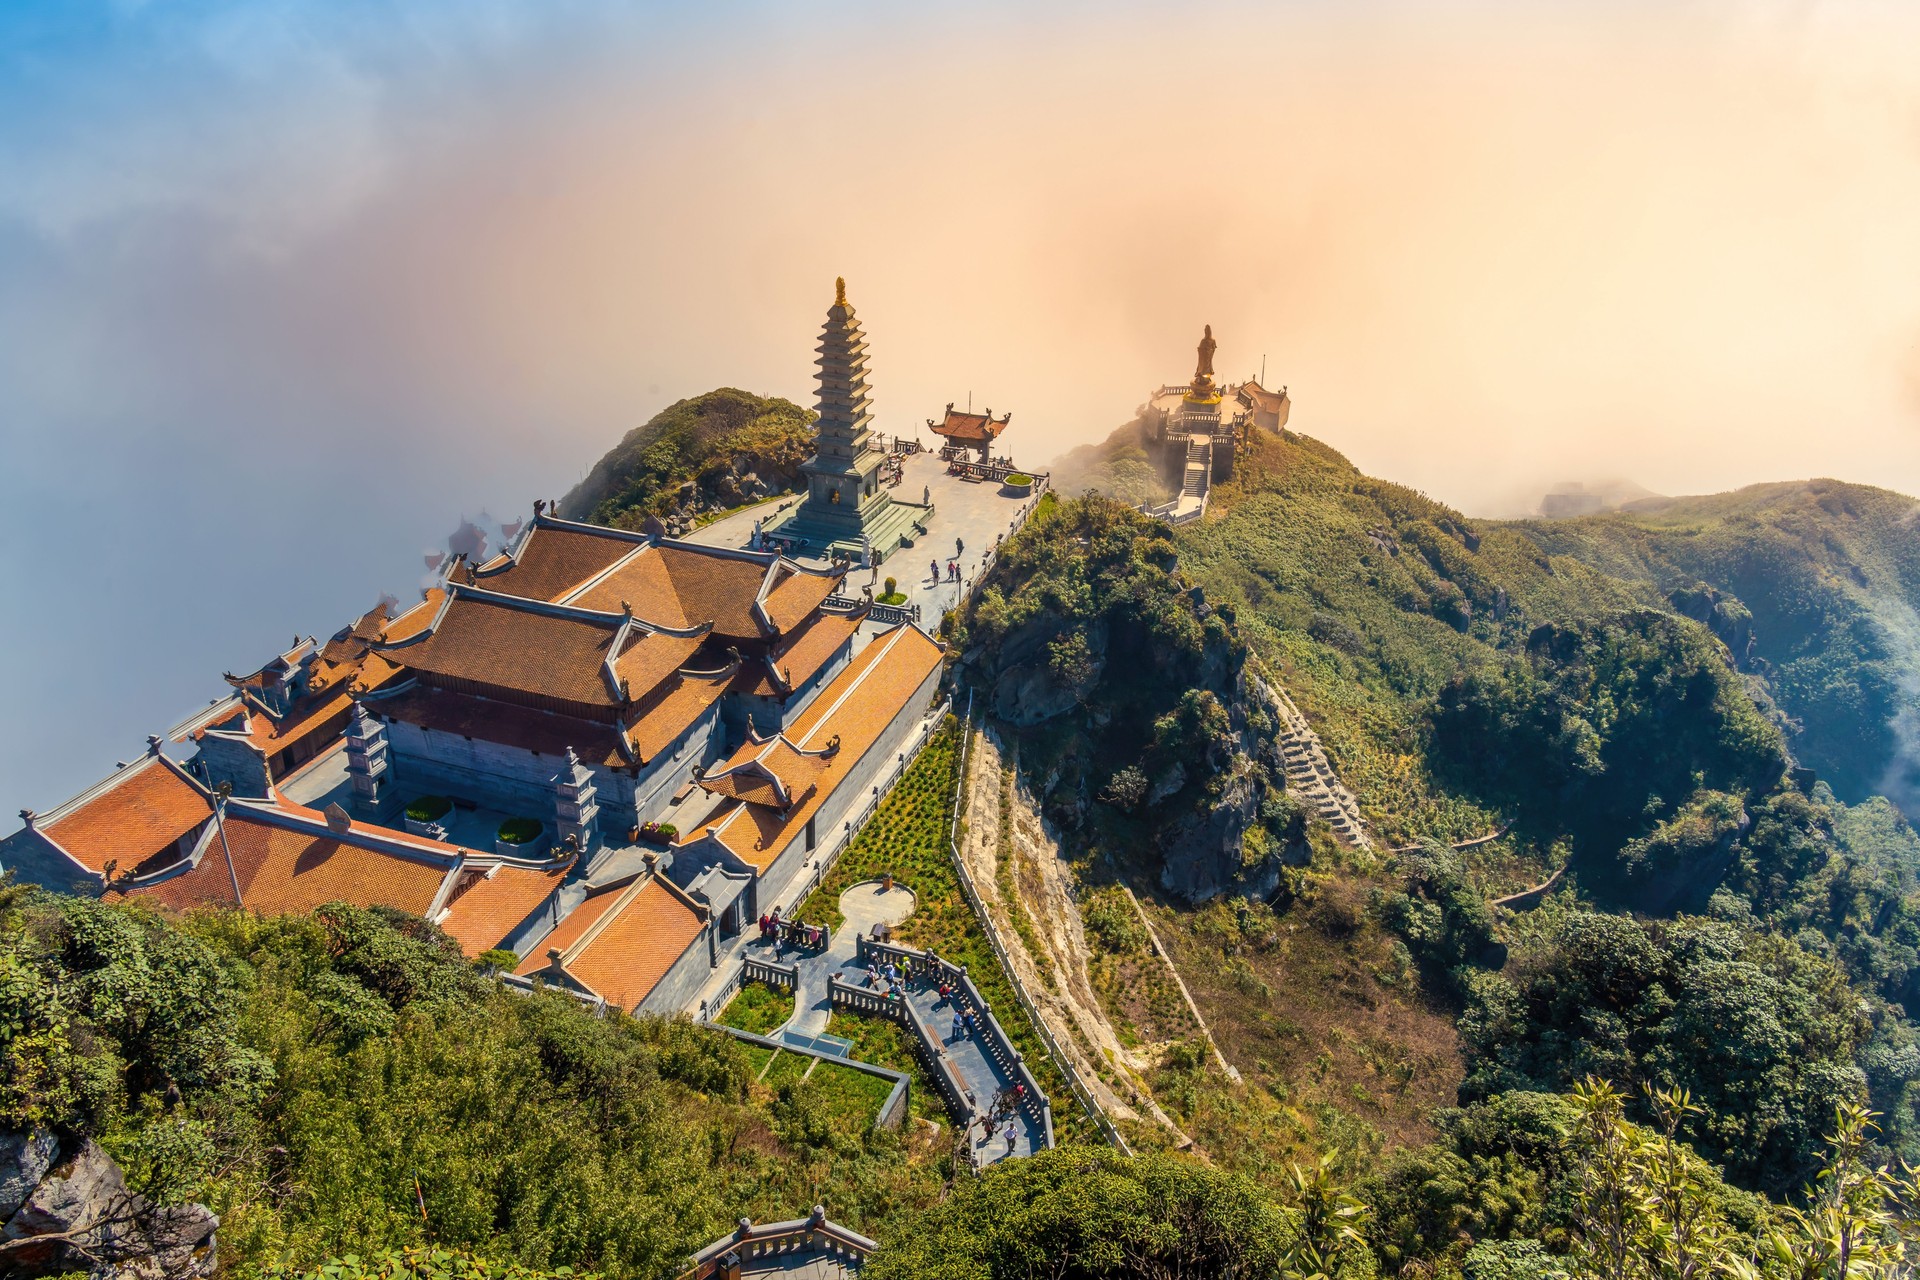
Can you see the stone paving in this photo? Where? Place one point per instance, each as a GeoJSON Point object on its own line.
{"type": "Point", "coordinates": [865, 905]}
{"type": "Point", "coordinates": [978, 515]}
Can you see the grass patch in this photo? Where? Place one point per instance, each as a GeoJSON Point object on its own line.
{"type": "Point", "coordinates": [787, 1067]}
{"type": "Point", "coordinates": [886, 1043]}
{"type": "Point", "coordinates": [758, 1008]}
{"type": "Point", "coordinates": [758, 1055]}
{"type": "Point", "coordinates": [850, 1091]}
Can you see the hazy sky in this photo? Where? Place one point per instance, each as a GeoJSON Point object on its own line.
{"type": "Point", "coordinates": [287, 286]}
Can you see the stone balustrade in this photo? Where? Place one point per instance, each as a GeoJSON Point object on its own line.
{"type": "Point", "coordinates": [994, 1039]}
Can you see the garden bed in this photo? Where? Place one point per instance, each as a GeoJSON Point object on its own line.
{"type": "Point", "coordinates": [758, 1008]}
{"type": "Point", "coordinates": [429, 809]}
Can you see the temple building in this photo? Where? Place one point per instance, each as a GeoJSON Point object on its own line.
{"type": "Point", "coordinates": [968, 431]}
{"type": "Point", "coordinates": [1195, 430]}
{"type": "Point", "coordinates": [847, 511]}
{"type": "Point", "coordinates": [601, 750]}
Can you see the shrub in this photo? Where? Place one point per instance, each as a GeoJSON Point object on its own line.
{"type": "Point", "coordinates": [429, 808]}
{"type": "Point", "coordinates": [520, 830]}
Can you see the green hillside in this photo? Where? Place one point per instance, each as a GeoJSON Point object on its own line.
{"type": "Point", "coordinates": [1816, 588]}
{"type": "Point", "coordinates": [1730, 925]}
{"type": "Point", "coordinates": [720, 449]}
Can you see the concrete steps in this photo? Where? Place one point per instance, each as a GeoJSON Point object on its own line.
{"type": "Point", "coordinates": [1311, 776]}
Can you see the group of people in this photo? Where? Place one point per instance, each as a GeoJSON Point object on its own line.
{"type": "Point", "coordinates": [791, 932]}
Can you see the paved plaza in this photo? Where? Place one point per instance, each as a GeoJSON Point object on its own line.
{"type": "Point", "coordinates": [977, 515]}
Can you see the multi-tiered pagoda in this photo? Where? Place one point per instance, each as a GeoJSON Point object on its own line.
{"type": "Point", "coordinates": [847, 510]}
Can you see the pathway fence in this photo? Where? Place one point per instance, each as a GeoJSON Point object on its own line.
{"type": "Point", "coordinates": [994, 1038]}
{"type": "Point", "coordinates": [1075, 1082]}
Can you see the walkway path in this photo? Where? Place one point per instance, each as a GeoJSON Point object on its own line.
{"type": "Point", "coordinates": [865, 905]}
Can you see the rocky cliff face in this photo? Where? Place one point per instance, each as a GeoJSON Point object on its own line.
{"type": "Point", "coordinates": [68, 1209]}
{"type": "Point", "coordinates": [1130, 697]}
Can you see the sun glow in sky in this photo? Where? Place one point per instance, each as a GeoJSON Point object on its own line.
{"type": "Point", "coordinates": [288, 286]}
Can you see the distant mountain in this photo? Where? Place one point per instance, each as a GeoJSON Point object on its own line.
{"type": "Point", "coordinates": [720, 449]}
{"type": "Point", "coordinates": [1814, 585]}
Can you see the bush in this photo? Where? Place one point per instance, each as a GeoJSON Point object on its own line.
{"type": "Point", "coordinates": [429, 808]}
{"type": "Point", "coordinates": [520, 830]}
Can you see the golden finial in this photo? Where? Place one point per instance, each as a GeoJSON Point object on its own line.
{"type": "Point", "coordinates": [839, 291]}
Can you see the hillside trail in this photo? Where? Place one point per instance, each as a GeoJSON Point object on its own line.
{"type": "Point", "coordinates": [1070, 1006]}
{"type": "Point", "coordinates": [1309, 773]}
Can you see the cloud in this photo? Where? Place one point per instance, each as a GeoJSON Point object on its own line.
{"type": "Point", "coordinates": [299, 282]}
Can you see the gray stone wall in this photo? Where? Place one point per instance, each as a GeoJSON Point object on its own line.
{"type": "Point", "coordinates": [30, 857]}
{"type": "Point", "coordinates": [514, 780]}
{"type": "Point", "coordinates": [233, 759]}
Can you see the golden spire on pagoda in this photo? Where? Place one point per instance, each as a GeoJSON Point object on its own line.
{"type": "Point", "coordinates": [839, 291]}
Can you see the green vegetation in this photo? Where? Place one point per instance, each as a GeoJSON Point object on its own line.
{"type": "Point", "coordinates": [337, 1071]}
{"type": "Point", "coordinates": [429, 808]}
{"type": "Point", "coordinates": [1090, 1213]}
{"type": "Point", "coordinates": [758, 1008]}
{"type": "Point", "coordinates": [423, 1264]}
{"type": "Point", "coordinates": [520, 830]}
{"type": "Point", "coordinates": [885, 1043]}
{"type": "Point", "coordinates": [1019, 481]}
{"type": "Point", "coordinates": [891, 597]}
{"type": "Point", "coordinates": [1813, 586]}
{"type": "Point", "coordinates": [707, 445]}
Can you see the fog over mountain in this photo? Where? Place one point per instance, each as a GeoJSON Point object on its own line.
{"type": "Point", "coordinates": [287, 291]}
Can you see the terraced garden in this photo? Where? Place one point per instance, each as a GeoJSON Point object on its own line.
{"type": "Point", "coordinates": [907, 837]}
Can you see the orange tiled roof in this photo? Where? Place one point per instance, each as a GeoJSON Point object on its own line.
{"type": "Point", "coordinates": [679, 586]}
{"type": "Point", "coordinates": [797, 596]}
{"type": "Point", "coordinates": [645, 931]}
{"type": "Point", "coordinates": [284, 870]}
{"type": "Point", "coordinates": [686, 700]}
{"type": "Point", "coordinates": [651, 657]}
{"type": "Point", "coordinates": [488, 907]}
{"type": "Point", "coordinates": [417, 619]}
{"type": "Point", "coordinates": [772, 773]}
{"type": "Point", "coordinates": [970, 428]}
{"type": "Point", "coordinates": [490, 642]}
{"type": "Point", "coordinates": [630, 956]}
{"type": "Point", "coordinates": [137, 820]}
{"type": "Point", "coordinates": [572, 928]}
{"type": "Point", "coordinates": [554, 562]}
{"type": "Point", "coordinates": [802, 653]}
{"type": "Point", "coordinates": [857, 707]}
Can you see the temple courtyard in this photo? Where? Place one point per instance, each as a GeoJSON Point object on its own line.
{"type": "Point", "coordinates": [978, 514]}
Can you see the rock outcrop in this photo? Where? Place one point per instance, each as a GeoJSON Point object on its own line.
{"type": "Point", "coordinates": [68, 1208]}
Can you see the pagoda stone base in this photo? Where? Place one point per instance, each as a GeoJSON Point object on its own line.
{"type": "Point", "coordinates": [888, 529]}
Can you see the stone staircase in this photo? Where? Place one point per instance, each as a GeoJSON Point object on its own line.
{"type": "Point", "coordinates": [1311, 776]}
{"type": "Point", "coordinates": [1199, 468]}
